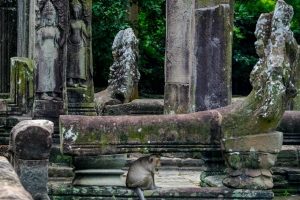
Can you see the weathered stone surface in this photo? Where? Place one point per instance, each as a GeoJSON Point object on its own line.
{"type": "Point", "coordinates": [124, 75]}
{"type": "Point", "coordinates": [262, 110]}
{"type": "Point", "coordinates": [79, 71]}
{"type": "Point", "coordinates": [22, 84]}
{"type": "Point", "coordinates": [108, 135]}
{"type": "Point", "coordinates": [178, 51]}
{"type": "Point", "coordinates": [63, 191]}
{"type": "Point", "coordinates": [211, 82]}
{"type": "Point", "coordinates": [34, 177]}
{"type": "Point", "coordinates": [30, 144]}
{"type": "Point", "coordinates": [267, 142]}
{"type": "Point", "coordinates": [198, 55]}
{"type": "Point", "coordinates": [250, 159]}
{"type": "Point", "coordinates": [50, 28]}
{"type": "Point", "coordinates": [136, 107]}
{"type": "Point", "coordinates": [32, 139]}
{"type": "Point", "coordinates": [11, 188]}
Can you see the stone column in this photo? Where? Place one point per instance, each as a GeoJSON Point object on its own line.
{"type": "Point", "coordinates": [11, 188]}
{"type": "Point", "coordinates": [79, 74]}
{"type": "Point", "coordinates": [30, 144]}
{"type": "Point", "coordinates": [210, 85]}
{"type": "Point", "coordinates": [198, 55]}
{"type": "Point", "coordinates": [178, 53]}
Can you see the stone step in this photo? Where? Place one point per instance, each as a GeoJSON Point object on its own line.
{"type": "Point", "coordinates": [57, 190]}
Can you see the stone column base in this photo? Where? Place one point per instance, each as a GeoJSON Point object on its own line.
{"type": "Point", "coordinates": [249, 160]}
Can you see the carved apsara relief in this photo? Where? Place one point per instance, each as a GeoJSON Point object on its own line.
{"type": "Point", "coordinates": [79, 66]}
{"type": "Point", "coordinates": [51, 29]}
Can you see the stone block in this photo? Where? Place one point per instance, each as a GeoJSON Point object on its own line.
{"type": "Point", "coordinates": [266, 142]}
{"type": "Point", "coordinates": [136, 107]}
{"type": "Point", "coordinates": [32, 139]}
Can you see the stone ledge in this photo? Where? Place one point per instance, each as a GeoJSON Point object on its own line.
{"type": "Point", "coordinates": [65, 191]}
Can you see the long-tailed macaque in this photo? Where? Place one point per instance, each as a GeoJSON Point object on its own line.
{"type": "Point", "coordinates": [140, 175]}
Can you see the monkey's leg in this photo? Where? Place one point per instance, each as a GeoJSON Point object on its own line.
{"type": "Point", "coordinates": [140, 193]}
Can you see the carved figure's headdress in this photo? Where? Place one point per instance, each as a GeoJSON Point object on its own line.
{"type": "Point", "coordinates": [76, 3]}
{"type": "Point", "coordinates": [49, 9]}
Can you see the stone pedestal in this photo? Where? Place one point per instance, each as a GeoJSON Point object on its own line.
{"type": "Point", "coordinates": [30, 144]}
{"type": "Point", "coordinates": [99, 170]}
{"type": "Point", "coordinates": [81, 101]}
{"type": "Point", "coordinates": [250, 159]}
{"type": "Point", "coordinates": [49, 110]}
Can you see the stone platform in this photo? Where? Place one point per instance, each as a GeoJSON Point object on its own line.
{"type": "Point", "coordinates": [174, 183]}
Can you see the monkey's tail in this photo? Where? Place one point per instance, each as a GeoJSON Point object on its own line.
{"type": "Point", "coordinates": [140, 193]}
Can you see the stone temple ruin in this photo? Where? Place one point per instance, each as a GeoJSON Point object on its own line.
{"type": "Point", "coordinates": [55, 145]}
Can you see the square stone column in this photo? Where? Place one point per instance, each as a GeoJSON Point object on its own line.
{"type": "Point", "coordinates": [178, 55]}
{"type": "Point", "coordinates": [198, 55]}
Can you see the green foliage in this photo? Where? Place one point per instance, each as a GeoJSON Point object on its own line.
{"type": "Point", "coordinates": [109, 17]}
{"type": "Point", "coordinates": [152, 31]}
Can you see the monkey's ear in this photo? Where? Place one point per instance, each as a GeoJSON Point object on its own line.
{"type": "Point", "coordinates": [151, 159]}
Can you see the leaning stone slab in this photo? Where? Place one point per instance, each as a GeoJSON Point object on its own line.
{"type": "Point", "coordinates": [30, 144]}
{"type": "Point", "coordinates": [11, 188]}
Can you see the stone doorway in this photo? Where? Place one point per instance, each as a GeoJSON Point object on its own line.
{"type": "Point", "coordinates": [8, 41]}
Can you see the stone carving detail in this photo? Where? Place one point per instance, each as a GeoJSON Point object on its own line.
{"type": "Point", "coordinates": [79, 73]}
{"type": "Point", "coordinates": [79, 70]}
{"type": "Point", "coordinates": [50, 38]}
{"type": "Point", "coordinates": [124, 75]}
{"type": "Point", "coordinates": [249, 153]}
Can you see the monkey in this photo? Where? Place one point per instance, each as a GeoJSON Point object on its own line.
{"type": "Point", "coordinates": [140, 174]}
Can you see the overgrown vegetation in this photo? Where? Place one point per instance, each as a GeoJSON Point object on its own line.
{"type": "Point", "coordinates": [110, 16]}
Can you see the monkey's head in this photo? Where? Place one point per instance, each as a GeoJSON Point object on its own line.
{"type": "Point", "coordinates": [154, 163]}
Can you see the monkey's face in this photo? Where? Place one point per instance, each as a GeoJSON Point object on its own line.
{"type": "Point", "coordinates": [154, 163]}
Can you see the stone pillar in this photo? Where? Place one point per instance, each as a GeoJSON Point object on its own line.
{"type": "Point", "coordinates": [79, 74]}
{"type": "Point", "coordinates": [198, 55]}
{"type": "Point", "coordinates": [22, 84]}
{"type": "Point", "coordinates": [11, 188]}
{"type": "Point", "coordinates": [30, 144]}
{"type": "Point", "coordinates": [178, 52]}
{"type": "Point", "coordinates": [210, 85]}
{"type": "Point", "coordinates": [8, 41]}
{"type": "Point", "coordinates": [49, 27]}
